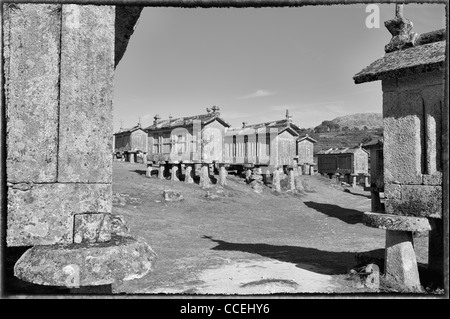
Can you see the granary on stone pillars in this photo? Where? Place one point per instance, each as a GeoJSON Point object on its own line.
{"type": "Point", "coordinates": [347, 161]}
{"type": "Point", "coordinates": [130, 142]}
{"type": "Point", "coordinates": [192, 139]}
{"type": "Point", "coordinates": [269, 144]}
{"type": "Point", "coordinates": [59, 62]}
{"type": "Point", "coordinates": [414, 115]}
{"type": "Point", "coordinates": [305, 152]}
{"type": "Point", "coordinates": [376, 182]}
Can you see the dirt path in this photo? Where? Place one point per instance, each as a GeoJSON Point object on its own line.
{"type": "Point", "coordinates": [241, 242]}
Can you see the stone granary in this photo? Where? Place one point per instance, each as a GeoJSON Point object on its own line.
{"type": "Point", "coordinates": [128, 143]}
{"type": "Point", "coordinates": [178, 144]}
{"type": "Point", "coordinates": [305, 153]}
{"type": "Point", "coordinates": [348, 162]}
{"type": "Point", "coordinates": [415, 151]}
{"type": "Point", "coordinates": [376, 184]}
{"type": "Point", "coordinates": [59, 62]}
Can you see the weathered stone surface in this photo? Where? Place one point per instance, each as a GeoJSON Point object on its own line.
{"type": "Point", "coordinates": [126, 21]}
{"type": "Point", "coordinates": [414, 200]}
{"type": "Point", "coordinates": [204, 176]}
{"type": "Point", "coordinates": [257, 186]}
{"type": "Point", "coordinates": [31, 65]}
{"type": "Point", "coordinates": [222, 175]}
{"type": "Point", "coordinates": [401, 263]}
{"type": "Point", "coordinates": [291, 180]}
{"type": "Point", "coordinates": [161, 171]}
{"type": "Point", "coordinates": [91, 228]}
{"type": "Point", "coordinates": [87, 71]}
{"type": "Point", "coordinates": [119, 226]}
{"type": "Point", "coordinates": [276, 181]}
{"type": "Point", "coordinates": [299, 184]}
{"type": "Point", "coordinates": [44, 214]}
{"type": "Point", "coordinates": [395, 222]}
{"type": "Point", "coordinates": [371, 277]}
{"type": "Point", "coordinates": [402, 138]}
{"type": "Point", "coordinates": [189, 175]}
{"type": "Point", "coordinates": [172, 196]}
{"type": "Point", "coordinates": [75, 265]}
{"type": "Point", "coordinates": [174, 173]}
{"type": "Point", "coordinates": [311, 170]}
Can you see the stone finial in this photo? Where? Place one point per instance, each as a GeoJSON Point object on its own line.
{"type": "Point", "coordinates": [156, 119]}
{"type": "Point", "coordinates": [288, 116]}
{"type": "Point", "coordinates": [400, 28]}
{"type": "Point", "coordinates": [215, 110]}
{"type": "Point", "coordinates": [244, 124]}
{"type": "Point", "coordinates": [170, 117]}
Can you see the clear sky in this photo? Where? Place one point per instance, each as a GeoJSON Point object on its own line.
{"type": "Point", "coordinates": [254, 63]}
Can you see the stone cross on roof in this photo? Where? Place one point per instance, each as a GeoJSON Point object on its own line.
{"type": "Point", "coordinates": [400, 28]}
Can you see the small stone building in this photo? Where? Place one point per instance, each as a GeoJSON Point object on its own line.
{"type": "Point", "coordinates": [129, 142]}
{"type": "Point", "coordinates": [187, 139]}
{"type": "Point", "coordinates": [265, 144]}
{"type": "Point", "coordinates": [414, 112]}
{"type": "Point", "coordinates": [305, 152]}
{"type": "Point", "coordinates": [344, 161]}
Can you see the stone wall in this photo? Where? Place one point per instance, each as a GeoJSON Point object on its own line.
{"type": "Point", "coordinates": [59, 67]}
{"type": "Point", "coordinates": [412, 110]}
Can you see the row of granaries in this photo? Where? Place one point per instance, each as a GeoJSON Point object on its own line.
{"type": "Point", "coordinates": [207, 138]}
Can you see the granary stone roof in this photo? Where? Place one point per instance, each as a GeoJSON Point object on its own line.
{"type": "Point", "coordinates": [306, 137]}
{"type": "Point", "coordinates": [342, 150]}
{"type": "Point", "coordinates": [281, 126]}
{"type": "Point", "coordinates": [374, 143]}
{"type": "Point", "coordinates": [187, 121]}
{"type": "Point", "coordinates": [427, 54]}
{"type": "Point", "coordinates": [129, 130]}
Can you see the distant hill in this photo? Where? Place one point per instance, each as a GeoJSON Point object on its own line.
{"type": "Point", "coordinates": [359, 120]}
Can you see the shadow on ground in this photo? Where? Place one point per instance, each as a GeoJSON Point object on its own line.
{"type": "Point", "coordinates": [357, 194]}
{"type": "Point", "coordinates": [350, 216]}
{"type": "Point", "coordinates": [319, 261]}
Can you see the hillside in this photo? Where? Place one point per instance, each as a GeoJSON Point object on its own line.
{"type": "Point", "coordinates": [370, 120]}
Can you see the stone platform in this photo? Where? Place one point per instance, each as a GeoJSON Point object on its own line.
{"type": "Point", "coordinates": [77, 265]}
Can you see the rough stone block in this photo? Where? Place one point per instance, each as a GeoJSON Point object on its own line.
{"type": "Point", "coordinates": [414, 200]}
{"type": "Point", "coordinates": [401, 263]}
{"type": "Point", "coordinates": [371, 277]}
{"type": "Point", "coordinates": [87, 71]}
{"type": "Point", "coordinates": [172, 196]}
{"type": "Point", "coordinates": [119, 226]}
{"type": "Point", "coordinates": [92, 228]}
{"type": "Point", "coordinates": [395, 222]}
{"type": "Point", "coordinates": [31, 70]}
{"type": "Point", "coordinates": [402, 137]}
{"type": "Point", "coordinates": [44, 213]}
{"type": "Point", "coordinates": [77, 265]}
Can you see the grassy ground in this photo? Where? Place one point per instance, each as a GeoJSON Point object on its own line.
{"type": "Point", "coordinates": [318, 232]}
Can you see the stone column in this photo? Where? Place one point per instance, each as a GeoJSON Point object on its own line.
{"type": "Point", "coordinates": [300, 170]}
{"type": "Point", "coordinates": [291, 179]}
{"type": "Point", "coordinates": [354, 177]}
{"type": "Point", "coordinates": [174, 173]}
{"type": "Point", "coordinates": [131, 157]}
{"type": "Point", "coordinates": [204, 175]}
{"type": "Point", "coordinates": [337, 176]}
{"type": "Point", "coordinates": [401, 264]}
{"type": "Point", "coordinates": [188, 176]}
{"type": "Point", "coordinates": [149, 170]}
{"type": "Point", "coordinates": [366, 180]}
{"type": "Point", "coordinates": [248, 174]}
{"type": "Point", "coordinates": [161, 171]}
{"type": "Point", "coordinates": [222, 174]}
{"type": "Point", "coordinates": [276, 181]}
{"type": "Point", "coordinates": [298, 184]}
{"type": "Point", "coordinates": [311, 170]}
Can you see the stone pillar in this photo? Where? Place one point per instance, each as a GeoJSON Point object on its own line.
{"type": "Point", "coordinates": [131, 157]}
{"type": "Point", "coordinates": [161, 171]}
{"type": "Point", "coordinates": [298, 184]}
{"type": "Point", "coordinates": [354, 177]}
{"type": "Point", "coordinates": [248, 174]}
{"type": "Point", "coordinates": [366, 181]}
{"type": "Point", "coordinates": [222, 174]}
{"type": "Point", "coordinates": [291, 179]}
{"type": "Point", "coordinates": [149, 170]}
{"type": "Point", "coordinates": [276, 181]}
{"type": "Point", "coordinates": [311, 170]}
{"type": "Point", "coordinates": [300, 170]}
{"type": "Point", "coordinates": [266, 177]}
{"type": "Point", "coordinates": [401, 264]}
{"type": "Point", "coordinates": [188, 176]}
{"type": "Point", "coordinates": [337, 176]}
{"type": "Point", "coordinates": [204, 175]}
{"type": "Point", "coordinates": [174, 173]}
